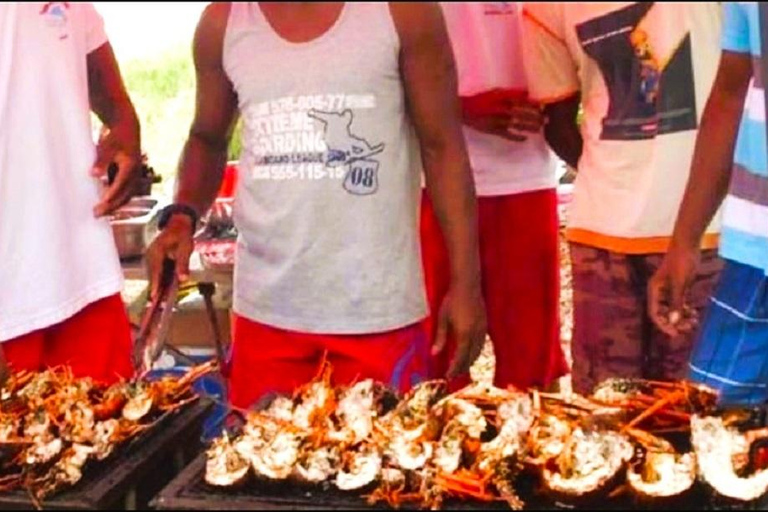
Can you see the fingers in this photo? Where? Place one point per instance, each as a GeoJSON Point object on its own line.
{"type": "Point", "coordinates": [502, 126]}
{"type": "Point", "coordinates": [468, 349]}
{"type": "Point", "coordinates": [657, 305]}
{"type": "Point", "coordinates": [514, 136]}
{"type": "Point", "coordinates": [526, 118]}
{"type": "Point", "coordinates": [460, 362]}
{"type": "Point", "coordinates": [105, 153]}
{"type": "Point", "coordinates": [182, 255]}
{"type": "Point", "coordinates": [677, 300]}
{"type": "Point", "coordinates": [176, 243]}
{"type": "Point", "coordinates": [121, 190]}
{"type": "Point", "coordinates": [667, 306]}
{"type": "Point", "coordinates": [441, 336]}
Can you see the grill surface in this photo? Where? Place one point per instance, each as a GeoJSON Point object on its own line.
{"type": "Point", "coordinates": [188, 491]}
{"type": "Point", "coordinates": [134, 474]}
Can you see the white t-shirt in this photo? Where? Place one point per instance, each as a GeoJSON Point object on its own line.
{"type": "Point", "coordinates": [55, 257]}
{"type": "Point", "coordinates": [485, 37]}
{"type": "Point", "coordinates": [644, 71]}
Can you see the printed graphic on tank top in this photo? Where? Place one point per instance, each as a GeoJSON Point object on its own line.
{"type": "Point", "coordinates": [314, 137]}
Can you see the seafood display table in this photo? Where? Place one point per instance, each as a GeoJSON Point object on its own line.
{"type": "Point", "coordinates": [189, 492]}
{"type": "Point", "coordinates": [135, 474]}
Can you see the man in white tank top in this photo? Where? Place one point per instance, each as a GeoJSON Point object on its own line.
{"type": "Point", "coordinates": [514, 174]}
{"type": "Point", "coordinates": [341, 105]}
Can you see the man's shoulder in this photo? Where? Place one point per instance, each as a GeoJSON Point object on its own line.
{"type": "Point", "coordinates": [216, 15]}
{"type": "Point", "coordinates": [209, 37]}
{"type": "Point", "coordinates": [416, 20]}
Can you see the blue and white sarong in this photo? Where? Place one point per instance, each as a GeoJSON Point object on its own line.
{"type": "Point", "coordinates": [731, 354]}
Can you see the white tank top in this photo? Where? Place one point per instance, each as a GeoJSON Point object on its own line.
{"type": "Point", "coordinates": [328, 196]}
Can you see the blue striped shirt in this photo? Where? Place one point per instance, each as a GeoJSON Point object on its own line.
{"type": "Point", "coordinates": [744, 236]}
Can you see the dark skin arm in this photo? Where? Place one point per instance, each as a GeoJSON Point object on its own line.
{"type": "Point", "coordinates": [429, 76]}
{"type": "Point", "coordinates": [707, 187]}
{"type": "Point", "coordinates": [121, 144]}
{"type": "Point", "coordinates": [204, 156]}
{"type": "Point", "coordinates": [562, 132]}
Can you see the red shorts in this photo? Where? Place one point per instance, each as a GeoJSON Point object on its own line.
{"type": "Point", "coordinates": [521, 285]}
{"type": "Point", "coordinates": [95, 342]}
{"type": "Point", "coordinates": [268, 360]}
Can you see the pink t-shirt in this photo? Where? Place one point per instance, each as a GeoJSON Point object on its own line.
{"type": "Point", "coordinates": [486, 44]}
{"type": "Point", "coordinates": [55, 257]}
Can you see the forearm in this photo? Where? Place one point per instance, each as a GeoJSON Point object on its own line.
{"type": "Point", "coordinates": [451, 188]}
{"type": "Point", "coordinates": [200, 172]}
{"type": "Point", "coordinates": [108, 97]}
{"type": "Point", "coordinates": [562, 132]}
{"type": "Point", "coordinates": [710, 170]}
{"type": "Point", "coordinates": [567, 144]}
{"type": "Point", "coordinates": [121, 118]}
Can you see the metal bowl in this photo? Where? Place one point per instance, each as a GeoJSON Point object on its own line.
{"type": "Point", "coordinates": [135, 225]}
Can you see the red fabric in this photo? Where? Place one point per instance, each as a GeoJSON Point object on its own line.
{"type": "Point", "coordinates": [521, 285]}
{"type": "Point", "coordinates": [96, 343]}
{"type": "Point", "coordinates": [229, 181]}
{"type": "Point", "coordinates": [268, 360]}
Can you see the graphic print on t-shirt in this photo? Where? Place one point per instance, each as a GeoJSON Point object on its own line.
{"type": "Point", "coordinates": [313, 137]}
{"type": "Point", "coordinates": [55, 14]}
{"type": "Point", "coordinates": [347, 149]}
{"type": "Point", "coordinates": [644, 54]}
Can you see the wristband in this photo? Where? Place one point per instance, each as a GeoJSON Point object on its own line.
{"type": "Point", "coordinates": [170, 210]}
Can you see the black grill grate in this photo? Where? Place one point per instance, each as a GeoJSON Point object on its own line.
{"type": "Point", "coordinates": [134, 474]}
{"type": "Point", "coordinates": [189, 492]}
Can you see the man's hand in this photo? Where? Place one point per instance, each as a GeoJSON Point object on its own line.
{"type": "Point", "coordinates": [496, 113]}
{"type": "Point", "coordinates": [121, 149]}
{"type": "Point", "coordinates": [174, 242]}
{"type": "Point", "coordinates": [668, 289]}
{"type": "Point", "coordinates": [462, 315]}
{"type": "Point", "coordinates": [121, 142]}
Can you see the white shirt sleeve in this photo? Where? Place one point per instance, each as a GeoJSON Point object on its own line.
{"type": "Point", "coordinates": [95, 36]}
{"type": "Point", "coordinates": [550, 67]}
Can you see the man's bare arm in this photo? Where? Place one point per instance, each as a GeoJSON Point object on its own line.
{"type": "Point", "coordinates": [707, 187]}
{"type": "Point", "coordinates": [715, 144]}
{"type": "Point", "coordinates": [110, 101]}
{"type": "Point", "coordinates": [205, 152]}
{"type": "Point", "coordinates": [562, 131]}
{"type": "Point", "coordinates": [429, 75]}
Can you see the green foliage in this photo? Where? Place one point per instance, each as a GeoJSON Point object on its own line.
{"type": "Point", "coordinates": [236, 145]}
{"type": "Point", "coordinates": [162, 88]}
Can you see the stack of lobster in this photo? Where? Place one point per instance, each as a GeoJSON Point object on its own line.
{"type": "Point", "coordinates": [431, 446]}
{"type": "Point", "coordinates": [52, 424]}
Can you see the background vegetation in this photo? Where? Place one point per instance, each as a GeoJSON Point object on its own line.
{"type": "Point", "coordinates": [162, 88]}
